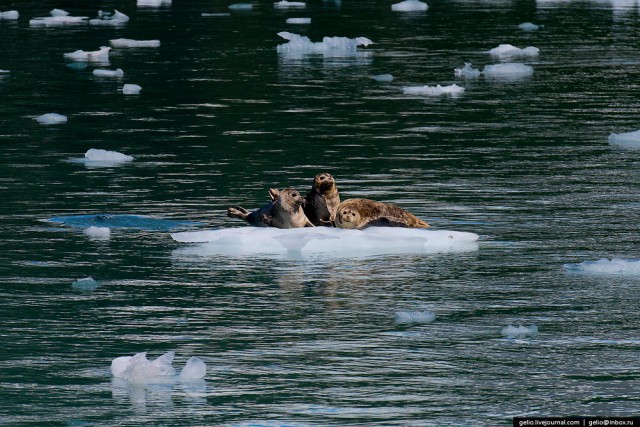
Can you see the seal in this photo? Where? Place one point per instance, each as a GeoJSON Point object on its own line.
{"type": "Point", "coordinates": [285, 211]}
{"type": "Point", "coordinates": [321, 202]}
{"type": "Point", "coordinates": [362, 213]}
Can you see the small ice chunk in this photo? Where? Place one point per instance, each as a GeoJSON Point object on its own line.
{"type": "Point", "coordinates": [615, 266]}
{"type": "Point", "coordinates": [520, 331]}
{"type": "Point", "coordinates": [529, 26]}
{"type": "Point", "coordinates": [86, 284]}
{"type": "Point", "coordinates": [118, 18]}
{"type": "Point", "coordinates": [58, 18]}
{"type": "Point", "coordinates": [284, 4]}
{"type": "Point", "coordinates": [96, 55]}
{"type": "Point", "coordinates": [10, 15]}
{"type": "Point", "coordinates": [58, 12]}
{"type": "Point", "coordinates": [507, 71]}
{"type": "Point", "coordinates": [98, 233]}
{"type": "Point", "coordinates": [424, 316]}
{"type": "Point", "coordinates": [134, 43]}
{"type": "Point", "coordinates": [508, 50]}
{"type": "Point", "coordinates": [453, 89]}
{"type": "Point", "coordinates": [131, 89]}
{"type": "Point", "coordinates": [385, 78]}
{"type": "Point", "coordinates": [301, 21]}
{"type": "Point", "coordinates": [625, 140]}
{"type": "Point", "coordinates": [467, 72]}
{"type": "Point", "coordinates": [241, 6]}
{"type": "Point", "coordinates": [4, 71]}
{"type": "Point", "coordinates": [118, 73]}
{"type": "Point", "coordinates": [195, 369]}
{"type": "Point", "coordinates": [329, 46]}
{"type": "Point", "coordinates": [215, 14]}
{"type": "Point", "coordinates": [410, 6]}
{"type": "Point", "coordinates": [99, 155]}
{"type": "Point", "coordinates": [51, 119]}
{"type": "Point", "coordinates": [154, 3]}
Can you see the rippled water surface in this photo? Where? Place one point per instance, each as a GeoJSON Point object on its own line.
{"type": "Point", "coordinates": [315, 340]}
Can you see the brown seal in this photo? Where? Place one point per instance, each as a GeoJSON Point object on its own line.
{"type": "Point", "coordinates": [285, 211]}
{"type": "Point", "coordinates": [362, 213]}
{"type": "Point", "coordinates": [321, 201]}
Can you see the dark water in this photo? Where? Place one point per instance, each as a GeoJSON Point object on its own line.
{"type": "Point", "coordinates": [314, 341]}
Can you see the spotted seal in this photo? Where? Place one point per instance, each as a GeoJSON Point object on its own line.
{"type": "Point", "coordinates": [285, 211]}
{"type": "Point", "coordinates": [321, 201]}
{"type": "Point", "coordinates": [362, 213]}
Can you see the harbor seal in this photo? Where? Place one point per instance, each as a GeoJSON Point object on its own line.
{"type": "Point", "coordinates": [362, 213]}
{"type": "Point", "coordinates": [321, 201]}
{"type": "Point", "coordinates": [285, 211]}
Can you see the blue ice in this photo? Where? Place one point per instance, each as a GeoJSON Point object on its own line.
{"type": "Point", "coordinates": [138, 222]}
{"type": "Point", "coordinates": [615, 266]}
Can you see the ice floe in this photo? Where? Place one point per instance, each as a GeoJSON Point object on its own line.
{"type": "Point", "coordinates": [410, 6]}
{"type": "Point", "coordinates": [154, 3]}
{"type": "Point", "coordinates": [86, 284]}
{"type": "Point", "coordinates": [51, 119]}
{"type": "Point", "coordinates": [626, 140]}
{"type": "Point", "coordinates": [329, 46]}
{"type": "Point", "coordinates": [4, 72]}
{"type": "Point", "coordinates": [615, 266]}
{"type": "Point", "coordinates": [136, 222]}
{"type": "Point", "coordinates": [508, 71]}
{"type": "Point", "coordinates": [134, 43]}
{"type": "Point", "coordinates": [101, 55]}
{"type": "Point", "coordinates": [322, 240]}
{"type": "Point", "coordinates": [519, 331]}
{"type": "Point", "coordinates": [131, 89]}
{"type": "Point", "coordinates": [298, 21]}
{"type": "Point", "coordinates": [467, 72]}
{"type": "Point", "coordinates": [118, 18]}
{"type": "Point", "coordinates": [284, 4]}
{"type": "Point", "coordinates": [58, 18]}
{"type": "Point", "coordinates": [438, 90]}
{"type": "Point", "coordinates": [510, 51]}
{"type": "Point", "coordinates": [383, 78]}
{"type": "Point", "coordinates": [241, 6]}
{"type": "Point", "coordinates": [10, 15]}
{"type": "Point", "coordinates": [137, 369]}
{"type": "Point", "coordinates": [97, 233]}
{"type": "Point", "coordinates": [99, 155]}
{"type": "Point", "coordinates": [118, 73]}
{"type": "Point", "coordinates": [409, 317]}
{"type": "Point", "coordinates": [529, 26]}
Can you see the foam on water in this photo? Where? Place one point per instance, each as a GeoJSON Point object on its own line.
{"type": "Point", "coordinates": [10, 15]}
{"type": "Point", "coordinates": [529, 26]}
{"type": "Point", "coordinates": [508, 71]}
{"type": "Point", "coordinates": [408, 317]}
{"type": "Point", "coordinates": [519, 331]}
{"type": "Point", "coordinates": [438, 90]}
{"type": "Point", "coordinates": [298, 20]}
{"type": "Point", "coordinates": [467, 72]}
{"type": "Point", "coordinates": [118, 73]}
{"type": "Point", "coordinates": [329, 46]}
{"type": "Point", "coordinates": [137, 369]}
{"type": "Point", "coordinates": [101, 55]}
{"type": "Point", "coordinates": [241, 6]}
{"type": "Point", "coordinates": [86, 284]}
{"type": "Point", "coordinates": [97, 233]}
{"type": "Point", "coordinates": [134, 43]}
{"type": "Point", "coordinates": [626, 140]}
{"type": "Point", "coordinates": [323, 240]}
{"type": "Point", "coordinates": [118, 18]}
{"type": "Point", "coordinates": [51, 119]}
{"type": "Point", "coordinates": [507, 50]}
{"type": "Point", "coordinates": [383, 78]}
{"type": "Point", "coordinates": [131, 89]}
{"type": "Point", "coordinates": [136, 222]}
{"type": "Point", "coordinates": [284, 4]}
{"type": "Point", "coordinates": [410, 6]}
{"type": "Point", "coordinates": [615, 266]}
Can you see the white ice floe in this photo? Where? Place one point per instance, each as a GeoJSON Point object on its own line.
{"type": "Point", "coordinates": [118, 18]}
{"type": "Point", "coordinates": [131, 89]}
{"type": "Point", "coordinates": [508, 71]}
{"type": "Point", "coordinates": [519, 331]}
{"type": "Point", "coordinates": [58, 12]}
{"type": "Point", "coordinates": [241, 6]}
{"type": "Point", "coordinates": [154, 3]}
{"type": "Point", "coordinates": [105, 156]}
{"type": "Point", "coordinates": [284, 4]}
{"type": "Point", "coordinates": [101, 55]}
{"type": "Point", "coordinates": [438, 90]}
{"type": "Point", "coordinates": [137, 369]}
{"type": "Point", "coordinates": [406, 317]}
{"type": "Point", "coordinates": [510, 51]}
{"type": "Point", "coordinates": [134, 43]}
{"type": "Point", "coordinates": [329, 46]}
{"type": "Point", "coordinates": [301, 21]}
{"type": "Point", "coordinates": [10, 15]}
{"type": "Point", "coordinates": [58, 18]}
{"type": "Point", "coordinates": [614, 266]}
{"type": "Point", "coordinates": [626, 140]}
{"type": "Point", "coordinates": [467, 72]}
{"type": "Point", "coordinates": [86, 284]}
{"type": "Point", "coordinates": [323, 240]}
{"type": "Point", "coordinates": [383, 78]}
{"type": "Point", "coordinates": [51, 119]}
{"type": "Point", "coordinates": [410, 6]}
{"type": "Point", "coordinates": [97, 233]}
{"type": "Point", "coordinates": [117, 73]}
{"type": "Point", "coordinates": [529, 26]}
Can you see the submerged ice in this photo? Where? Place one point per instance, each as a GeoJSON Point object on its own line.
{"type": "Point", "coordinates": [298, 21]}
{"type": "Point", "coordinates": [86, 284]}
{"type": "Point", "coordinates": [615, 266]}
{"type": "Point", "coordinates": [409, 317]}
{"type": "Point", "coordinates": [135, 222]}
{"type": "Point", "coordinates": [97, 233]}
{"type": "Point", "coordinates": [137, 369]}
{"type": "Point", "coordinates": [118, 73]}
{"type": "Point", "coordinates": [329, 46]}
{"type": "Point", "coordinates": [625, 140]}
{"type": "Point", "coordinates": [519, 331]}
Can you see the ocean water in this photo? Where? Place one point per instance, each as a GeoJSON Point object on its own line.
{"type": "Point", "coordinates": [314, 341]}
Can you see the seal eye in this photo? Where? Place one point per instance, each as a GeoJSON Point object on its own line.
{"type": "Point", "coordinates": [295, 194]}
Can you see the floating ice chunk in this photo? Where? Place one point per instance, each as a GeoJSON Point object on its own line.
{"type": "Point", "coordinates": [10, 15]}
{"type": "Point", "coordinates": [58, 18]}
{"type": "Point", "coordinates": [118, 18]}
{"type": "Point", "coordinates": [410, 6]}
{"type": "Point", "coordinates": [98, 233]}
{"type": "Point", "coordinates": [507, 71]}
{"type": "Point", "coordinates": [615, 266]}
{"type": "Point", "coordinates": [528, 26]}
{"type": "Point", "coordinates": [507, 50]}
{"type": "Point", "coordinates": [453, 89]}
{"type": "Point", "coordinates": [86, 284]}
{"type": "Point", "coordinates": [385, 78]}
{"type": "Point", "coordinates": [101, 55]}
{"type": "Point", "coordinates": [136, 222]}
{"type": "Point", "coordinates": [108, 73]}
{"type": "Point", "coordinates": [134, 43]}
{"type": "Point", "coordinates": [425, 316]}
{"type": "Point", "coordinates": [299, 21]}
{"type": "Point", "coordinates": [195, 369]}
{"type": "Point", "coordinates": [626, 140]}
{"type": "Point", "coordinates": [51, 119]}
{"type": "Point", "coordinates": [131, 89]}
{"type": "Point", "coordinates": [241, 6]}
{"type": "Point", "coordinates": [4, 71]}
{"type": "Point", "coordinates": [322, 240]}
{"type": "Point", "coordinates": [104, 156]}
{"type": "Point", "coordinates": [58, 12]}
{"type": "Point", "coordinates": [467, 72]}
{"type": "Point", "coordinates": [520, 331]}
{"type": "Point", "coordinates": [154, 3]}
{"type": "Point", "coordinates": [284, 4]}
{"type": "Point", "coordinates": [329, 46]}
{"type": "Point", "coordinates": [137, 369]}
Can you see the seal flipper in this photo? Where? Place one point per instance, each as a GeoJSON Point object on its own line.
{"type": "Point", "coordinates": [274, 193]}
{"type": "Point", "coordinates": [238, 212]}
